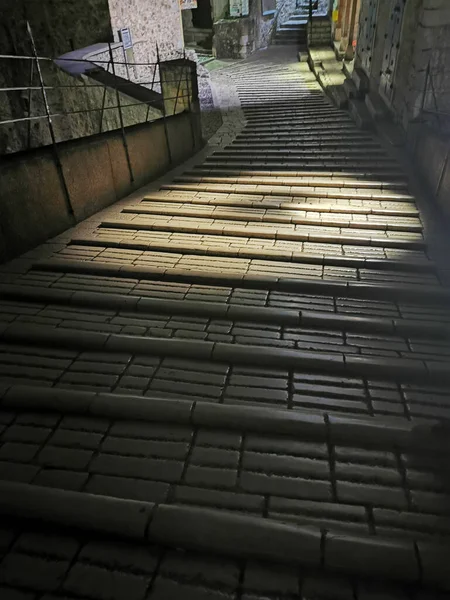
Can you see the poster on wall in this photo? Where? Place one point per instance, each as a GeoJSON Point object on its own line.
{"type": "Point", "coordinates": [186, 4]}
{"type": "Point", "coordinates": [239, 8]}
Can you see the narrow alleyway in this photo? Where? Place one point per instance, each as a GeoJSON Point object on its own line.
{"type": "Point", "coordinates": [259, 347]}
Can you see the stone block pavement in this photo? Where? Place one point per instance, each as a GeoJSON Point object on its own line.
{"type": "Point", "coordinates": [234, 384]}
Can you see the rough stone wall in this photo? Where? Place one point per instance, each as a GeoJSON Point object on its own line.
{"type": "Point", "coordinates": [151, 22]}
{"type": "Point", "coordinates": [432, 48]}
{"type": "Point", "coordinates": [58, 27]}
{"type": "Point", "coordinates": [410, 41]}
{"type": "Point", "coordinates": [424, 41]}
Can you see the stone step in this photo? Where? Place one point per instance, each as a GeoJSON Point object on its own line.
{"type": "Point", "coordinates": [333, 179]}
{"type": "Point", "coordinates": [290, 258]}
{"type": "Point", "coordinates": [423, 370]}
{"type": "Point", "coordinates": [203, 226]}
{"type": "Point", "coordinates": [298, 150]}
{"type": "Point", "coordinates": [177, 209]}
{"type": "Point", "coordinates": [239, 324]}
{"type": "Point", "coordinates": [313, 145]}
{"type": "Point", "coordinates": [64, 302]}
{"type": "Point", "coordinates": [423, 293]}
{"type": "Point", "coordinates": [295, 188]}
{"type": "Point", "coordinates": [320, 164]}
{"type": "Point", "coordinates": [272, 203]}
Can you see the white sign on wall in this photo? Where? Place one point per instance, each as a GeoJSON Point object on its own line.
{"type": "Point", "coordinates": [239, 8]}
{"type": "Point", "coordinates": [186, 4]}
{"type": "Point", "coordinates": [125, 36]}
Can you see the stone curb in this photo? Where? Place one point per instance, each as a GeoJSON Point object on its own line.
{"type": "Point", "coordinates": [274, 255]}
{"type": "Point", "coordinates": [400, 292]}
{"type": "Point", "coordinates": [255, 233]}
{"type": "Point", "coordinates": [233, 312]}
{"type": "Point", "coordinates": [226, 533]}
{"type": "Point", "coordinates": [373, 432]}
{"type": "Point", "coordinates": [404, 370]}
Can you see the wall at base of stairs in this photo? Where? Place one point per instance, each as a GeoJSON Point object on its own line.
{"type": "Point", "coordinates": [33, 207]}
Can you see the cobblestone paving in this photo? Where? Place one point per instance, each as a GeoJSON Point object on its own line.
{"type": "Point", "coordinates": [253, 353]}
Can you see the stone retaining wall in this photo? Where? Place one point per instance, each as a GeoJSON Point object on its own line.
{"type": "Point", "coordinates": [33, 206]}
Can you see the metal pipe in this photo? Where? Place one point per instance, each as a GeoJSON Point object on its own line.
{"type": "Point", "coordinates": [50, 127]}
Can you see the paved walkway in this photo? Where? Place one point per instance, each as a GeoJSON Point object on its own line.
{"type": "Point", "coordinates": [234, 383]}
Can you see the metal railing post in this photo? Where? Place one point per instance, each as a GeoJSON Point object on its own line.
{"type": "Point", "coordinates": [103, 101]}
{"type": "Point", "coordinates": [153, 85]}
{"type": "Point", "coordinates": [434, 97]}
{"type": "Point", "coordinates": [166, 131]}
{"type": "Point", "coordinates": [190, 92]}
{"type": "Point", "coordinates": [50, 126]}
{"type": "Point", "coordinates": [179, 85]}
{"type": "Point", "coordinates": [30, 104]}
{"type": "Point", "coordinates": [122, 127]}
{"type": "Point", "coordinates": [425, 89]}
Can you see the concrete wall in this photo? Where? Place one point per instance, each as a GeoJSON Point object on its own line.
{"type": "Point", "coordinates": [33, 206]}
{"type": "Point", "coordinates": [151, 22]}
{"type": "Point", "coordinates": [240, 37]}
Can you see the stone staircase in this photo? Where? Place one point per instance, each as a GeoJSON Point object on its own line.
{"type": "Point", "coordinates": [234, 385]}
{"type": "Point", "coordinates": [293, 31]}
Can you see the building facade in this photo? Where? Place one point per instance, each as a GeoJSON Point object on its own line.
{"type": "Point", "coordinates": [402, 68]}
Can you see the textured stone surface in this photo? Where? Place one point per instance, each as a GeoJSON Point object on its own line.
{"type": "Point", "coordinates": [126, 375]}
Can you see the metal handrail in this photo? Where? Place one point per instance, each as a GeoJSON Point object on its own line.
{"type": "Point", "coordinates": [43, 88]}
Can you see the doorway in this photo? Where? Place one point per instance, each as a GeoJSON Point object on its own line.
{"type": "Point", "coordinates": [202, 15]}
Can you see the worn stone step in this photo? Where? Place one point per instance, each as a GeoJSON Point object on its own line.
{"type": "Point", "coordinates": [316, 186]}
{"type": "Point", "coordinates": [384, 169]}
{"type": "Point", "coordinates": [381, 432]}
{"type": "Point", "coordinates": [103, 556]}
{"type": "Point", "coordinates": [214, 248]}
{"type": "Point", "coordinates": [295, 119]}
{"type": "Point", "coordinates": [306, 318]}
{"type": "Point", "coordinates": [179, 210]}
{"type": "Point", "coordinates": [226, 534]}
{"type": "Point", "coordinates": [405, 370]}
{"type": "Point", "coordinates": [269, 203]}
{"type": "Point", "coordinates": [299, 153]}
{"type": "Point", "coordinates": [333, 179]}
{"type": "Point", "coordinates": [251, 146]}
{"type": "Point", "coordinates": [304, 157]}
{"type": "Point", "coordinates": [294, 191]}
{"type": "Point", "coordinates": [196, 226]}
{"type": "Point", "coordinates": [257, 113]}
{"type": "Point", "coordinates": [343, 289]}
